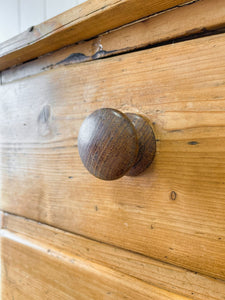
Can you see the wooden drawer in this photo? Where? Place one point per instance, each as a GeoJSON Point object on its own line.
{"type": "Point", "coordinates": [45, 180]}
{"type": "Point", "coordinates": [173, 212]}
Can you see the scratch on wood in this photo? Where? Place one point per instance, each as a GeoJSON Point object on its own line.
{"type": "Point", "coordinates": [193, 143]}
{"type": "Point", "coordinates": [176, 130]}
{"type": "Point", "coordinates": [188, 3]}
{"type": "Point", "coordinates": [6, 270]}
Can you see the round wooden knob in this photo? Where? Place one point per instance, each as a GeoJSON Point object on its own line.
{"type": "Point", "coordinates": [112, 144]}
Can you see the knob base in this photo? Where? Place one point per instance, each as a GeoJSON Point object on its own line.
{"type": "Point", "coordinates": [146, 141]}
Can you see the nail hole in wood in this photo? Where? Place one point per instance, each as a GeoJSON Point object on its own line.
{"type": "Point", "coordinates": [173, 195]}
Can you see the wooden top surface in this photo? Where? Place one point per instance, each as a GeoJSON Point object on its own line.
{"type": "Point", "coordinates": [79, 23]}
{"type": "Point", "coordinates": [200, 17]}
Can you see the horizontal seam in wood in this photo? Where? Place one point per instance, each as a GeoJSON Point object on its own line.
{"type": "Point", "coordinates": [56, 29]}
{"type": "Point", "coordinates": [125, 51]}
{"type": "Point", "coordinates": [57, 254]}
{"type": "Point", "coordinates": [103, 243]}
{"type": "Point", "coordinates": [91, 13]}
{"type": "Point", "coordinates": [142, 19]}
{"type": "Point", "coordinates": [93, 37]}
{"type": "Point", "coordinates": [157, 45]}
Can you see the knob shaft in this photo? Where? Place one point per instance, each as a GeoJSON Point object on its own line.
{"type": "Point", "coordinates": [112, 144]}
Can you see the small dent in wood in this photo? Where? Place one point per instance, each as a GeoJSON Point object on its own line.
{"type": "Point", "coordinates": [139, 206]}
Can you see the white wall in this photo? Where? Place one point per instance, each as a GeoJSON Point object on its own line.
{"type": "Point", "coordinates": [18, 15]}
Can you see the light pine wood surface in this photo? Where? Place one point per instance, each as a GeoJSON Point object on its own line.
{"type": "Point", "coordinates": [79, 23]}
{"type": "Point", "coordinates": [200, 17]}
{"type": "Point", "coordinates": [34, 271]}
{"type": "Point", "coordinates": [162, 275]}
{"type": "Point", "coordinates": [175, 211]}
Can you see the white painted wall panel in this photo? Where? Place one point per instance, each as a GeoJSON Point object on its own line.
{"type": "Point", "coordinates": [18, 15]}
{"type": "Point", "coordinates": [9, 19]}
{"type": "Point", "coordinates": [32, 12]}
{"type": "Point", "coordinates": [56, 7]}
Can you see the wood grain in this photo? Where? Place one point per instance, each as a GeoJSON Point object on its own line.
{"type": "Point", "coordinates": [33, 271]}
{"type": "Point", "coordinates": [79, 23]}
{"type": "Point", "coordinates": [175, 211]}
{"type": "Point", "coordinates": [162, 275]}
{"type": "Point", "coordinates": [146, 143]}
{"type": "Point", "coordinates": [112, 144]}
{"type": "Point", "coordinates": [200, 17]}
{"type": "Point", "coordinates": [108, 144]}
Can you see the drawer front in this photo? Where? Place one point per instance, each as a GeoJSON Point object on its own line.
{"type": "Point", "coordinates": [53, 264]}
{"type": "Point", "coordinates": [63, 253]}
{"type": "Point", "coordinates": [175, 210]}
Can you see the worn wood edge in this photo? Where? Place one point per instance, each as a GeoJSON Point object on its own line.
{"type": "Point", "coordinates": [115, 279]}
{"type": "Point", "coordinates": [109, 281]}
{"type": "Point", "coordinates": [201, 17]}
{"type": "Point", "coordinates": [79, 23]}
{"type": "Point", "coordinates": [159, 274]}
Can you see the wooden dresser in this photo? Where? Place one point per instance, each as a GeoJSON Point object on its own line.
{"type": "Point", "coordinates": [161, 235]}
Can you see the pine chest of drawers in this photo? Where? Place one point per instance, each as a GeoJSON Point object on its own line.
{"type": "Point", "coordinates": [161, 235]}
